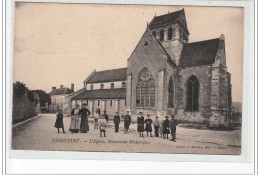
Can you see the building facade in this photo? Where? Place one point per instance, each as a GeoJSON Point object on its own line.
{"type": "Point", "coordinates": [167, 75]}
{"type": "Point", "coordinates": [60, 99]}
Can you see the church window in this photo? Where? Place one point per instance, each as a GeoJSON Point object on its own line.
{"type": "Point", "coordinates": [145, 89]}
{"type": "Point", "coordinates": [146, 43]}
{"type": "Point", "coordinates": [111, 102]}
{"type": "Point", "coordinates": [102, 86]}
{"type": "Point", "coordinates": [91, 87]}
{"type": "Point", "coordinates": [192, 87]}
{"type": "Point", "coordinates": [112, 85]}
{"type": "Point", "coordinates": [161, 35]}
{"type": "Point", "coordinates": [154, 34]}
{"type": "Point", "coordinates": [171, 94]}
{"type": "Point", "coordinates": [169, 33]}
{"type": "Point", "coordinates": [125, 102]}
{"type": "Point", "coordinates": [98, 102]}
{"type": "Point", "coordinates": [123, 84]}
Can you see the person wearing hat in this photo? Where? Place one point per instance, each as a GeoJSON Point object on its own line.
{"type": "Point", "coordinates": [84, 112]}
{"type": "Point", "coordinates": [148, 125]}
{"type": "Point", "coordinates": [59, 122]}
{"type": "Point", "coordinates": [105, 115]}
{"type": "Point", "coordinates": [116, 122]}
{"type": "Point", "coordinates": [75, 120]}
{"type": "Point", "coordinates": [140, 124]}
{"type": "Point", "coordinates": [172, 124]}
{"type": "Point", "coordinates": [166, 130]}
{"type": "Point", "coordinates": [127, 122]}
{"type": "Point", "coordinates": [156, 126]}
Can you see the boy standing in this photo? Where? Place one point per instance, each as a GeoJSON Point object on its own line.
{"type": "Point", "coordinates": [156, 125]}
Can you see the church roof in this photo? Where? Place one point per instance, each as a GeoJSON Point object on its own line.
{"type": "Point", "coordinates": [177, 16]}
{"type": "Point", "coordinates": [108, 76]}
{"type": "Point", "coordinates": [199, 53]}
{"type": "Point", "coordinates": [102, 94]}
{"type": "Point", "coordinates": [60, 91]}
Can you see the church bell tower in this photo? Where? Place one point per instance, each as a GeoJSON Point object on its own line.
{"type": "Point", "coordinates": [172, 32]}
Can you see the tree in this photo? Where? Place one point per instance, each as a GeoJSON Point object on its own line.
{"type": "Point", "coordinates": [44, 97]}
{"type": "Point", "coordinates": [19, 88]}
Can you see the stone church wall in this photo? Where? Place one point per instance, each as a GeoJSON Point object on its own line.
{"type": "Point", "coordinates": [203, 73]}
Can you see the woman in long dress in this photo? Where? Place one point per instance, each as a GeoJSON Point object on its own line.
{"type": "Point", "coordinates": [59, 122]}
{"type": "Point", "coordinates": [166, 126]}
{"type": "Point", "coordinates": [84, 112]}
{"type": "Point", "coordinates": [75, 120]}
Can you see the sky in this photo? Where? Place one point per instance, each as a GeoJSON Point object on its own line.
{"type": "Point", "coordinates": [59, 44]}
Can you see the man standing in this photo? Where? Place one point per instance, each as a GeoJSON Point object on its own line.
{"type": "Point", "coordinates": [116, 121]}
{"type": "Point", "coordinates": [127, 122]}
{"type": "Point", "coordinates": [173, 123]}
{"type": "Point", "coordinates": [105, 115]}
{"type": "Point", "coordinates": [84, 112]}
{"type": "Point", "coordinates": [156, 125]}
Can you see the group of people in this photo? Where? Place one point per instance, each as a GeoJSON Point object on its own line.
{"type": "Point", "coordinates": [161, 128]}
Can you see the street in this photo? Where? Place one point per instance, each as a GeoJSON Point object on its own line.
{"type": "Point", "coordinates": [40, 134]}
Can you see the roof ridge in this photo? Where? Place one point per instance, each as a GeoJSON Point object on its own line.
{"type": "Point", "coordinates": [111, 69]}
{"type": "Point", "coordinates": [202, 41]}
{"type": "Point", "coordinates": [170, 13]}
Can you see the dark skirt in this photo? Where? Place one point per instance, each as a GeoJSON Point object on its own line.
{"type": "Point", "coordinates": [148, 127]}
{"type": "Point", "coordinates": [59, 123]}
{"type": "Point", "coordinates": [84, 127]}
{"type": "Point", "coordinates": [166, 130]}
{"type": "Point", "coordinates": [140, 127]}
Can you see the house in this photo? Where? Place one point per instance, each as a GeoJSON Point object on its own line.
{"type": "Point", "coordinates": [60, 99]}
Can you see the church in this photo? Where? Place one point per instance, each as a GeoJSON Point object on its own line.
{"type": "Point", "coordinates": [166, 75]}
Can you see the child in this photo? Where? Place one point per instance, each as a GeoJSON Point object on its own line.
{"type": "Point", "coordinates": [148, 125]}
{"type": "Point", "coordinates": [166, 130]}
{"type": "Point", "coordinates": [102, 125]}
{"type": "Point", "coordinates": [156, 126]}
{"type": "Point", "coordinates": [59, 122]}
{"type": "Point", "coordinates": [96, 117]}
{"type": "Point", "coordinates": [161, 129]}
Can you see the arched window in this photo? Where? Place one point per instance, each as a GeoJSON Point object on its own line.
{"type": "Point", "coordinates": [169, 33]}
{"type": "Point", "coordinates": [123, 85]}
{"type": "Point", "coordinates": [192, 87]}
{"type": "Point", "coordinates": [102, 86]}
{"type": "Point", "coordinates": [145, 89]}
{"type": "Point", "coordinates": [112, 85]}
{"type": "Point", "coordinates": [91, 87]}
{"type": "Point", "coordinates": [171, 94]}
{"type": "Point", "coordinates": [161, 35]}
{"type": "Point", "coordinates": [154, 34]}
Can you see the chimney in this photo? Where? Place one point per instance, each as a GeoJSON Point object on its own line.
{"type": "Point", "coordinates": [72, 87]}
{"type": "Point", "coordinates": [53, 88]}
{"type": "Point", "coordinates": [61, 86]}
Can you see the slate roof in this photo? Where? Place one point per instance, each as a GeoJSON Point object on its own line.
{"type": "Point", "coordinates": [109, 76]}
{"type": "Point", "coordinates": [199, 53]}
{"type": "Point", "coordinates": [102, 94]}
{"type": "Point", "coordinates": [61, 91]}
{"type": "Point", "coordinates": [169, 18]}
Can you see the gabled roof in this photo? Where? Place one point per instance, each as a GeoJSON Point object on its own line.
{"type": "Point", "coordinates": [164, 51]}
{"type": "Point", "coordinates": [102, 94]}
{"type": "Point", "coordinates": [108, 76]}
{"type": "Point", "coordinates": [177, 17]}
{"type": "Point", "coordinates": [199, 53]}
{"type": "Point", "coordinates": [61, 91]}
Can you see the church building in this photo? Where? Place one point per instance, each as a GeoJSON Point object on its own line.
{"type": "Point", "coordinates": [167, 75]}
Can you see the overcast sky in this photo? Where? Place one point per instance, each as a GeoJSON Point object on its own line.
{"type": "Point", "coordinates": [59, 44]}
